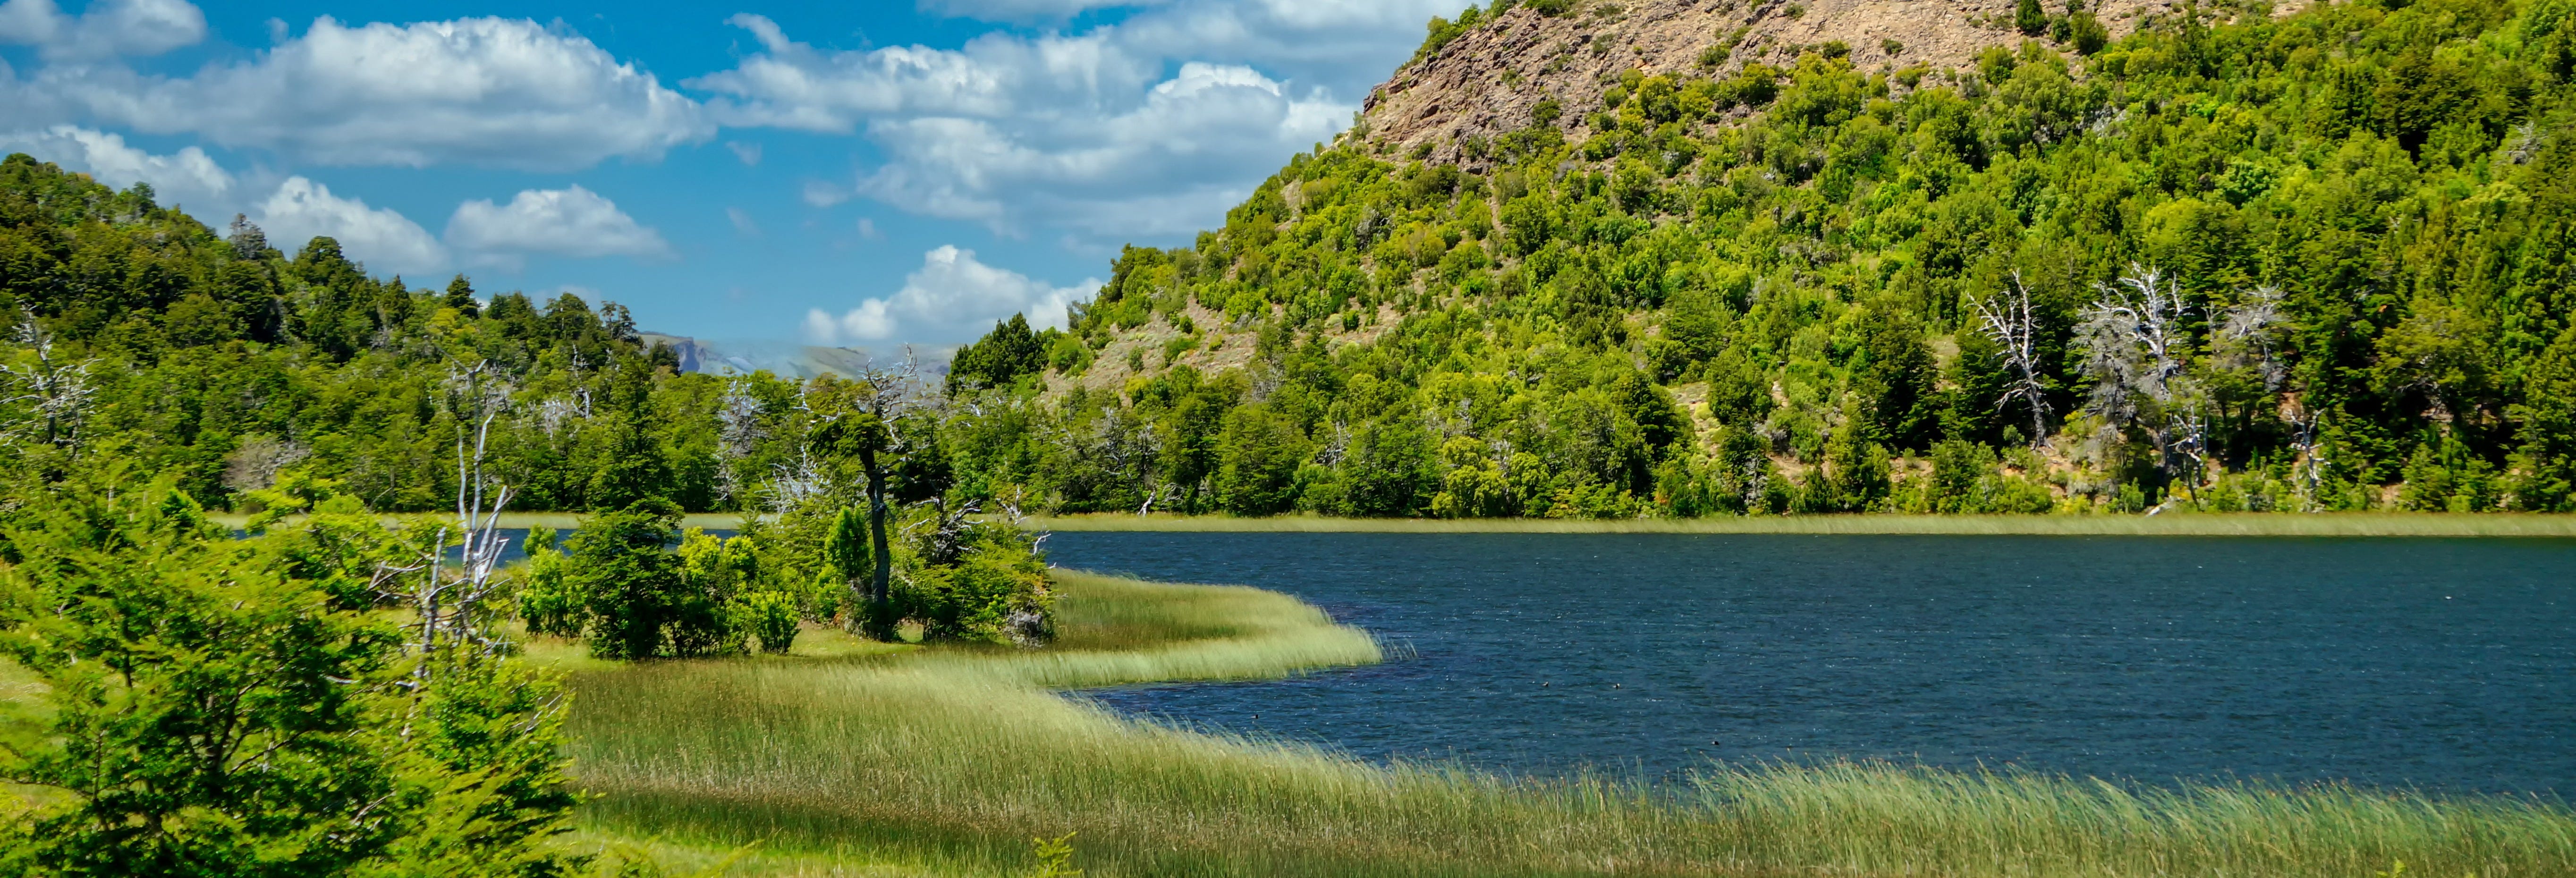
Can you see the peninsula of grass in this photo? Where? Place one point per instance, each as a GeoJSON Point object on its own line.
{"type": "Point", "coordinates": [866, 759]}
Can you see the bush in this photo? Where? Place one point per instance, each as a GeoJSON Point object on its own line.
{"type": "Point", "coordinates": [977, 581]}
{"type": "Point", "coordinates": [642, 600]}
{"type": "Point", "coordinates": [771, 618]}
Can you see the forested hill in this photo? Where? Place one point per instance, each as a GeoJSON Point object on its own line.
{"type": "Point", "coordinates": [2228, 258]}
{"type": "Point", "coordinates": [141, 339]}
{"type": "Point", "coordinates": [1578, 259]}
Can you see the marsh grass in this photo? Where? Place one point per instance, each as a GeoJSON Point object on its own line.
{"type": "Point", "coordinates": [947, 761]}
{"type": "Point", "coordinates": [2247, 524]}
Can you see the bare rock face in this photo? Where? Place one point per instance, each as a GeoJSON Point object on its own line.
{"type": "Point", "coordinates": [1489, 80]}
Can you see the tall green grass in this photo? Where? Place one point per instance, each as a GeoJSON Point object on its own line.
{"type": "Point", "coordinates": [947, 761]}
{"type": "Point", "coordinates": [2188, 524]}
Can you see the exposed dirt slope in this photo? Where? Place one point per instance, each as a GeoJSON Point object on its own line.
{"type": "Point", "coordinates": [1488, 80]}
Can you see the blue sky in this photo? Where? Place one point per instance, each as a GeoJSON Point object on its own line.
{"type": "Point", "coordinates": [862, 174]}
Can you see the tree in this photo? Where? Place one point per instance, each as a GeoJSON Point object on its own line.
{"type": "Point", "coordinates": [2007, 321]}
{"type": "Point", "coordinates": [2545, 462]}
{"type": "Point", "coordinates": [856, 415]}
{"type": "Point", "coordinates": [215, 713]}
{"type": "Point", "coordinates": [2030, 18]}
{"type": "Point", "coordinates": [1000, 359]}
{"type": "Point", "coordinates": [460, 296]}
{"type": "Point", "coordinates": [1258, 455]}
{"type": "Point", "coordinates": [2134, 348]}
{"type": "Point", "coordinates": [623, 567]}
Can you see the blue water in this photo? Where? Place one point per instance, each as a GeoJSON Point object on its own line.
{"type": "Point", "coordinates": [2445, 665]}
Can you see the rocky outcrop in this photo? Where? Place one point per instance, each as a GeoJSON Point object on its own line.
{"type": "Point", "coordinates": [1490, 80]}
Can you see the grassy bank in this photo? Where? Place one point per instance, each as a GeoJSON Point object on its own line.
{"type": "Point", "coordinates": [867, 760]}
{"type": "Point", "coordinates": [2250, 524]}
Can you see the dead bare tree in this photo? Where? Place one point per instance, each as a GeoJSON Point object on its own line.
{"type": "Point", "coordinates": [59, 392]}
{"type": "Point", "coordinates": [449, 602]}
{"type": "Point", "coordinates": [2246, 335]}
{"type": "Point", "coordinates": [738, 417]}
{"type": "Point", "coordinates": [2312, 462]}
{"type": "Point", "coordinates": [2133, 346]}
{"type": "Point", "coordinates": [2009, 322]}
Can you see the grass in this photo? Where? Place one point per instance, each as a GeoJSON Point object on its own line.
{"type": "Point", "coordinates": [871, 760]}
{"type": "Point", "coordinates": [2188, 524]}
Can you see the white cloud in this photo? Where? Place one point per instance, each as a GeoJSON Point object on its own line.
{"type": "Point", "coordinates": [742, 222]}
{"type": "Point", "coordinates": [107, 28]}
{"type": "Point", "coordinates": [821, 194]}
{"type": "Point", "coordinates": [1201, 137]}
{"type": "Point", "coordinates": [749, 153]}
{"type": "Point", "coordinates": [1083, 132]}
{"type": "Point", "coordinates": [1027, 10]}
{"type": "Point", "coordinates": [560, 222]}
{"type": "Point", "coordinates": [187, 178]}
{"type": "Point", "coordinates": [485, 91]}
{"type": "Point", "coordinates": [952, 298]}
{"type": "Point", "coordinates": [301, 210]}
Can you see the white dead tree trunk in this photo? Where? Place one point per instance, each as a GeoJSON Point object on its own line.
{"type": "Point", "coordinates": [2009, 322]}
{"type": "Point", "coordinates": [2134, 347]}
{"type": "Point", "coordinates": [58, 392]}
{"type": "Point", "coordinates": [448, 601]}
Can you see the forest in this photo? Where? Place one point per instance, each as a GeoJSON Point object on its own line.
{"type": "Point", "coordinates": [2231, 262]}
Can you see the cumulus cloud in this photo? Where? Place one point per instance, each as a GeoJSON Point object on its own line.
{"type": "Point", "coordinates": [385, 240]}
{"type": "Point", "coordinates": [188, 178]}
{"type": "Point", "coordinates": [485, 91]}
{"type": "Point", "coordinates": [1027, 10]}
{"type": "Point", "coordinates": [952, 298]}
{"type": "Point", "coordinates": [107, 28]}
{"type": "Point", "coordinates": [559, 222]}
{"type": "Point", "coordinates": [1083, 132]}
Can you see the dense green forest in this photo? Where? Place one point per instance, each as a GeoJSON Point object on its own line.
{"type": "Point", "coordinates": [2231, 261]}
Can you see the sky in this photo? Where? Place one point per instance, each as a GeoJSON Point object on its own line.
{"type": "Point", "coordinates": [859, 174]}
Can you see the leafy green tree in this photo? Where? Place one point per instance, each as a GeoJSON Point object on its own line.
{"type": "Point", "coordinates": [2545, 463]}
{"type": "Point", "coordinates": [1258, 453]}
{"type": "Point", "coordinates": [213, 713]}
{"type": "Point", "coordinates": [2030, 18]}
{"type": "Point", "coordinates": [635, 595]}
{"type": "Point", "coordinates": [1001, 358]}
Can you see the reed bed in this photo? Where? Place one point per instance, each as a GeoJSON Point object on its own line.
{"type": "Point", "coordinates": [947, 761]}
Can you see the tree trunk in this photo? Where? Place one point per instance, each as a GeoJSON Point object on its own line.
{"type": "Point", "coordinates": [880, 583]}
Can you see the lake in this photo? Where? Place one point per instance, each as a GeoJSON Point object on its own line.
{"type": "Point", "coordinates": [2447, 665]}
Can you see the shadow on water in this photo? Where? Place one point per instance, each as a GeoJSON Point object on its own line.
{"type": "Point", "coordinates": [2445, 665]}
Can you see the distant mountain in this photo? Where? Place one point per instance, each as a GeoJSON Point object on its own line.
{"type": "Point", "coordinates": [788, 360]}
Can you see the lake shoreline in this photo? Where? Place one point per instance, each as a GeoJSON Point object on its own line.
{"type": "Point", "coordinates": [2183, 524]}
{"type": "Point", "coordinates": [943, 761]}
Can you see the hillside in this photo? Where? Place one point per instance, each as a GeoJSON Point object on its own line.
{"type": "Point", "coordinates": [1681, 258]}
{"type": "Point", "coordinates": [1745, 260]}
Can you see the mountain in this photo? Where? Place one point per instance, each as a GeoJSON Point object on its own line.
{"type": "Point", "coordinates": [788, 360]}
